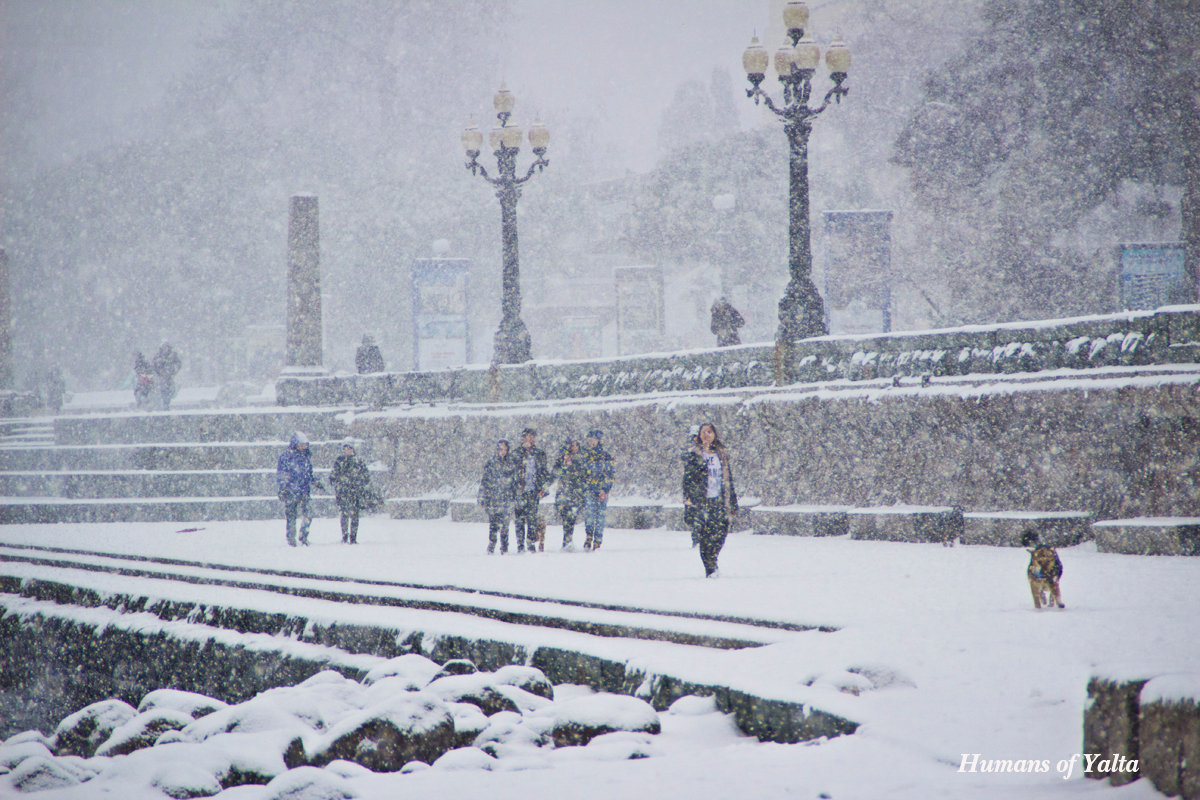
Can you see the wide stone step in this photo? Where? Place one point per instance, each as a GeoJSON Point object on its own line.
{"type": "Point", "coordinates": [114, 484]}
{"type": "Point", "coordinates": [160, 509]}
{"type": "Point", "coordinates": [167, 456]}
{"type": "Point", "coordinates": [201, 426]}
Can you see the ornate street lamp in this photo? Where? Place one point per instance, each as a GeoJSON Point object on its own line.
{"type": "Point", "coordinates": [511, 343]}
{"type": "Point", "coordinates": [801, 310]}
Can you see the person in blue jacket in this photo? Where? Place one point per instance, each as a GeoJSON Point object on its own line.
{"type": "Point", "coordinates": [597, 467]}
{"type": "Point", "coordinates": [294, 476]}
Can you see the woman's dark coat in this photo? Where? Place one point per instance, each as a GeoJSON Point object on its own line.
{"type": "Point", "coordinates": [498, 486]}
{"type": "Point", "coordinates": [351, 481]}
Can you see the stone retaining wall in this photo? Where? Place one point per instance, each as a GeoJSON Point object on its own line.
{"type": "Point", "coordinates": [1107, 447]}
{"type": "Point", "coordinates": [1166, 336]}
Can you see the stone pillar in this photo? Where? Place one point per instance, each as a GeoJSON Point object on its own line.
{"type": "Point", "coordinates": [6, 349]}
{"type": "Point", "coordinates": [304, 345]}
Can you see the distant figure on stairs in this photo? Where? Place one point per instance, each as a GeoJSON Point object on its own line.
{"type": "Point", "coordinates": [725, 323]}
{"type": "Point", "coordinates": [56, 388]}
{"type": "Point", "coordinates": [368, 358]}
{"type": "Point", "coordinates": [166, 366]}
{"type": "Point", "coordinates": [143, 382]}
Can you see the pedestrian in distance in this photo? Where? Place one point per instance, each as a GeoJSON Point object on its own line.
{"type": "Point", "coordinates": [598, 474]}
{"type": "Point", "coordinates": [532, 477]}
{"type": "Point", "coordinates": [351, 483]}
{"type": "Point", "coordinates": [166, 366]}
{"type": "Point", "coordinates": [568, 497]}
{"type": "Point", "coordinates": [294, 476]}
{"type": "Point", "coordinates": [498, 495]}
{"type": "Point", "coordinates": [709, 498]}
{"type": "Point", "coordinates": [725, 323]}
{"type": "Point", "coordinates": [368, 358]}
{"type": "Point", "coordinates": [55, 388]}
{"type": "Point", "coordinates": [143, 382]}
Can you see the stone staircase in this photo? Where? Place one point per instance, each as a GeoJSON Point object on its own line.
{"type": "Point", "coordinates": [169, 466]}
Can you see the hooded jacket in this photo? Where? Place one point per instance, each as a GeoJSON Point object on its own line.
{"type": "Point", "coordinates": [294, 472]}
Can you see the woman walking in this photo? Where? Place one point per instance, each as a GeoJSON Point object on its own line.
{"type": "Point", "coordinates": [350, 480]}
{"type": "Point", "coordinates": [568, 499]}
{"type": "Point", "coordinates": [498, 495]}
{"type": "Point", "coordinates": [709, 499]}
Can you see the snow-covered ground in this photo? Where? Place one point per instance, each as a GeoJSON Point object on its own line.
{"type": "Point", "coordinates": [962, 661]}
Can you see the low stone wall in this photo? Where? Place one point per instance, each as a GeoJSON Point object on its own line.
{"type": "Point", "coordinates": [1168, 335]}
{"type": "Point", "coordinates": [1149, 536]}
{"type": "Point", "coordinates": [55, 659]}
{"type": "Point", "coordinates": [1145, 726]}
{"type": "Point", "coordinates": [1110, 447]}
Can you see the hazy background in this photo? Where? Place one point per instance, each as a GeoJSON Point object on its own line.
{"type": "Point", "coordinates": [150, 147]}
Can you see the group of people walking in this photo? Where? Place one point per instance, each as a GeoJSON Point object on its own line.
{"type": "Point", "coordinates": [351, 482]}
{"type": "Point", "coordinates": [154, 381]}
{"type": "Point", "coordinates": [514, 483]}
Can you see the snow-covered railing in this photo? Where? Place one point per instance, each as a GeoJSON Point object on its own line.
{"type": "Point", "coordinates": [1168, 335]}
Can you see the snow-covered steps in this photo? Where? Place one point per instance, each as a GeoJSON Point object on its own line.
{"type": "Point", "coordinates": [22, 510]}
{"type": "Point", "coordinates": [593, 619]}
{"type": "Point", "coordinates": [162, 466]}
{"type": "Point", "coordinates": [155, 633]}
{"type": "Point", "coordinates": [94, 484]}
{"type": "Point", "coordinates": [26, 432]}
{"type": "Point", "coordinates": [250, 425]}
{"type": "Point", "coordinates": [231, 455]}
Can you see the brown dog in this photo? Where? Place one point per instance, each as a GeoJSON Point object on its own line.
{"type": "Point", "coordinates": [1044, 572]}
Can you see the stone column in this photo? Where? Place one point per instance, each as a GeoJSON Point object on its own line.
{"type": "Point", "coordinates": [6, 349]}
{"type": "Point", "coordinates": [304, 345]}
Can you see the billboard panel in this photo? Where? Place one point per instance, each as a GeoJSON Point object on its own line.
{"type": "Point", "coordinates": [1153, 275]}
{"type": "Point", "coordinates": [858, 266]}
{"type": "Point", "coordinates": [440, 329]}
{"type": "Point", "coordinates": [639, 308]}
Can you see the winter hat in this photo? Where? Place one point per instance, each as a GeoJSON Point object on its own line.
{"type": "Point", "coordinates": [348, 442]}
{"type": "Point", "coordinates": [596, 433]}
{"type": "Point", "coordinates": [299, 438]}
{"type": "Point", "coordinates": [529, 431]}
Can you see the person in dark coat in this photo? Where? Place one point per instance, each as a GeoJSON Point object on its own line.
{"type": "Point", "coordinates": [56, 389]}
{"type": "Point", "coordinates": [143, 381]}
{"type": "Point", "coordinates": [351, 480]}
{"type": "Point", "coordinates": [725, 323]}
{"type": "Point", "coordinates": [532, 477]}
{"type": "Point", "coordinates": [368, 358]}
{"type": "Point", "coordinates": [568, 498]}
{"type": "Point", "coordinates": [709, 495]}
{"type": "Point", "coordinates": [498, 495]}
{"type": "Point", "coordinates": [166, 366]}
{"type": "Point", "coordinates": [294, 476]}
{"type": "Point", "coordinates": [597, 467]}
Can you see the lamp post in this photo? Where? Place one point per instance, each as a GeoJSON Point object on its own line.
{"type": "Point", "coordinates": [801, 310]}
{"type": "Point", "coordinates": [511, 342]}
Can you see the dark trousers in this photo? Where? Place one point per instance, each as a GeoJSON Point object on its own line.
{"type": "Point", "coordinates": [498, 526]}
{"type": "Point", "coordinates": [296, 508]}
{"type": "Point", "coordinates": [350, 525]}
{"type": "Point", "coordinates": [525, 517]}
{"type": "Point", "coordinates": [710, 526]}
{"type": "Point", "coordinates": [569, 515]}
